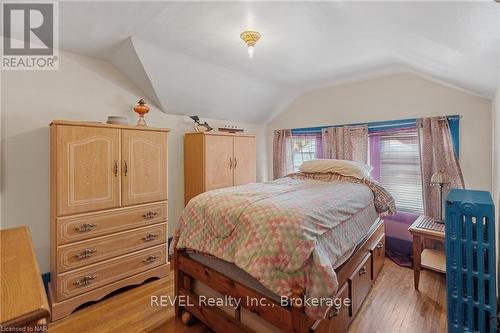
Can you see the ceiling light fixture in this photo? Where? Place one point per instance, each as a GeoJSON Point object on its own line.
{"type": "Point", "coordinates": [250, 38]}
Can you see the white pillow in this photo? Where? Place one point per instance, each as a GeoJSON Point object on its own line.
{"type": "Point", "coordinates": [343, 167]}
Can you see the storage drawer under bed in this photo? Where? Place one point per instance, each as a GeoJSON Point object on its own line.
{"type": "Point", "coordinates": [338, 319]}
{"type": "Point", "coordinates": [360, 283]}
{"type": "Point", "coordinates": [377, 251]}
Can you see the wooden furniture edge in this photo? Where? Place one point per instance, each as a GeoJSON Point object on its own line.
{"type": "Point", "coordinates": [252, 135]}
{"type": "Point", "coordinates": [427, 233]}
{"type": "Point", "coordinates": [299, 321]}
{"type": "Point", "coordinates": [44, 310]}
{"type": "Point", "coordinates": [112, 210]}
{"type": "Point", "coordinates": [53, 207]}
{"type": "Point", "coordinates": [414, 228]}
{"type": "Point", "coordinates": [66, 307]}
{"type": "Point", "coordinates": [27, 319]}
{"type": "Point", "coordinates": [104, 125]}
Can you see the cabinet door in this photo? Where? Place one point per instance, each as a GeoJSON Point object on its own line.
{"type": "Point", "coordinates": [88, 159]}
{"type": "Point", "coordinates": [218, 161]}
{"type": "Point", "coordinates": [144, 166]}
{"type": "Point", "coordinates": [245, 163]}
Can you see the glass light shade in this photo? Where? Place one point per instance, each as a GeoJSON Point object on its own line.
{"type": "Point", "coordinates": [250, 51]}
{"type": "Point", "coordinates": [439, 178]}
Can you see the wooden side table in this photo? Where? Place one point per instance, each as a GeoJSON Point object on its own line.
{"type": "Point", "coordinates": [423, 228]}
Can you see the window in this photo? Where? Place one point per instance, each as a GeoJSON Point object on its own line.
{"type": "Point", "coordinates": [400, 170]}
{"type": "Point", "coordinates": [305, 147]}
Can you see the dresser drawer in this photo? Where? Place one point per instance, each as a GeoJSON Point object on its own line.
{"type": "Point", "coordinates": [378, 255]}
{"type": "Point", "coordinates": [360, 283]}
{"type": "Point", "coordinates": [337, 320]}
{"type": "Point", "coordinates": [91, 251]}
{"type": "Point", "coordinates": [84, 226]}
{"type": "Point", "coordinates": [85, 279]}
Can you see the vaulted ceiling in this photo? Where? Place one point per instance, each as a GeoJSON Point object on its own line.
{"type": "Point", "coordinates": [188, 58]}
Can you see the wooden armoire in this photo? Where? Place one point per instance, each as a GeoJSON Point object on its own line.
{"type": "Point", "coordinates": [108, 210]}
{"type": "Point", "coordinates": [215, 159]}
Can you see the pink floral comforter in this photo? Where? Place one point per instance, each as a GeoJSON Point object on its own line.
{"type": "Point", "coordinates": [291, 231]}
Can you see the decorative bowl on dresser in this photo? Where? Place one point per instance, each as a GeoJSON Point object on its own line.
{"type": "Point", "coordinates": [108, 210]}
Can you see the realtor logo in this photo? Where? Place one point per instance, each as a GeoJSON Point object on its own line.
{"type": "Point", "coordinates": [29, 36]}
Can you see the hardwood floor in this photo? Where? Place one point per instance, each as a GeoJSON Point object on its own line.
{"type": "Point", "coordinates": [392, 306]}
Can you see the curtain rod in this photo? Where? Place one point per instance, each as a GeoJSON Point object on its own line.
{"type": "Point", "coordinates": [377, 124]}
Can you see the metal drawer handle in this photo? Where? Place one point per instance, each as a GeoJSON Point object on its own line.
{"type": "Point", "coordinates": [362, 270]}
{"type": "Point", "coordinates": [380, 245]}
{"type": "Point", "coordinates": [86, 227]}
{"type": "Point", "coordinates": [150, 215]}
{"type": "Point", "coordinates": [115, 168]}
{"type": "Point", "coordinates": [235, 162]}
{"type": "Point", "coordinates": [85, 281]}
{"type": "Point", "coordinates": [87, 253]}
{"type": "Point", "coordinates": [150, 237]}
{"type": "Point", "coordinates": [333, 313]}
{"type": "Point", "coordinates": [150, 259]}
{"type": "Point", "coordinates": [125, 168]}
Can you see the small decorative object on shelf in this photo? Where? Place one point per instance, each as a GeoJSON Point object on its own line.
{"type": "Point", "coordinates": [141, 108]}
{"type": "Point", "coordinates": [230, 129]}
{"type": "Point", "coordinates": [117, 120]}
{"type": "Point", "coordinates": [440, 179]}
{"type": "Point", "coordinates": [198, 127]}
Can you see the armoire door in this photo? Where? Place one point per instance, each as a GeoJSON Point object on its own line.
{"type": "Point", "coordinates": [144, 166]}
{"type": "Point", "coordinates": [218, 161]}
{"type": "Point", "coordinates": [88, 160]}
{"type": "Point", "coordinates": [244, 162]}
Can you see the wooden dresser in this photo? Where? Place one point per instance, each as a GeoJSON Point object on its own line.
{"type": "Point", "coordinates": [24, 306]}
{"type": "Point", "coordinates": [108, 210]}
{"type": "Point", "coordinates": [214, 160]}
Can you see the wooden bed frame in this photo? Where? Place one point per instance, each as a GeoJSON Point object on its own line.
{"type": "Point", "coordinates": [355, 278]}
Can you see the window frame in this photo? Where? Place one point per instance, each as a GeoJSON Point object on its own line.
{"type": "Point", "coordinates": [313, 153]}
{"type": "Point", "coordinates": [415, 206]}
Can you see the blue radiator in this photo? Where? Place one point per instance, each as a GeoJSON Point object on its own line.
{"type": "Point", "coordinates": [470, 262]}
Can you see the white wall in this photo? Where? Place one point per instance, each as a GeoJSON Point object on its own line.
{"type": "Point", "coordinates": [496, 151]}
{"type": "Point", "coordinates": [496, 174]}
{"type": "Point", "coordinates": [82, 89]}
{"type": "Point", "coordinates": [398, 97]}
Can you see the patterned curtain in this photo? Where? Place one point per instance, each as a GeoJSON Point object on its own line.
{"type": "Point", "coordinates": [346, 143]}
{"type": "Point", "coordinates": [437, 154]}
{"type": "Point", "coordinates": [282, 153]}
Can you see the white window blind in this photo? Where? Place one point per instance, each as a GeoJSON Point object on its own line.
{"type": "Point", "coordinates": [303, 149]}
{"type": "Point", "coordinates": [400, 170]}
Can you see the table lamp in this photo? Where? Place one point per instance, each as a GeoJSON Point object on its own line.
{"type": "Point", "coordinates": [440, 179]}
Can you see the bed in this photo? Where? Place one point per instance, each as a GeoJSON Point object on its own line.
{"type": "Point", "coordinates": [299, 253]}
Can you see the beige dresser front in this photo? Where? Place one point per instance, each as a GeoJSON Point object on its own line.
{"type": "Point", "coordinates": [108, 211]}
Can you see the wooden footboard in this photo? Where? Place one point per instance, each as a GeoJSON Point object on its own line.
{"type": "Point", "coordinates": [355, 277]}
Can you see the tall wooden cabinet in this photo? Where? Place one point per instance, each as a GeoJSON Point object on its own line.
{"type": "Point", "coordinates": [108, 210]}
{"type": "Point", "coordinates": [214, 160]}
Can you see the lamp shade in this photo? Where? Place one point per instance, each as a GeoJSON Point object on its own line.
{"type": "Point", "coordinates": [439, 178]}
